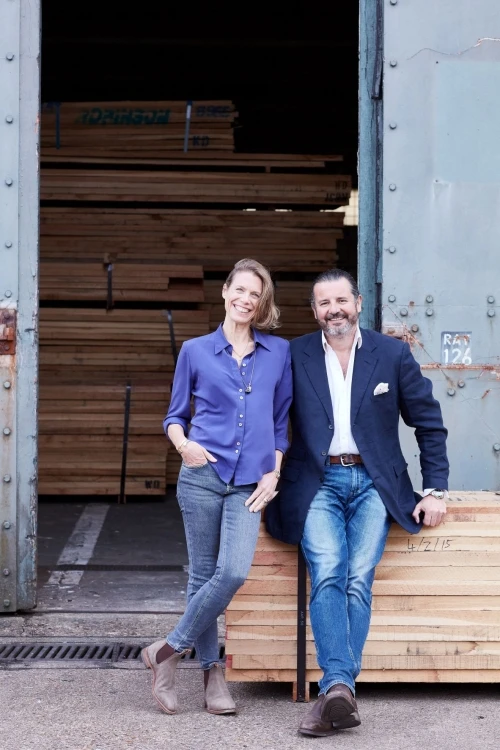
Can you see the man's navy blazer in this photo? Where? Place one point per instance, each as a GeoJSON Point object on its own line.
{"type": "Point", "coordinates": [374, 425]}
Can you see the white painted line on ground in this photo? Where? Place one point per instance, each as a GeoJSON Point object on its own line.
{"type": "Point", "coordinates": [80, 546]}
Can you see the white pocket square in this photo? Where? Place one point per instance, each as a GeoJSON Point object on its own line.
{"type": "Point", "coordinates": [381, 388]}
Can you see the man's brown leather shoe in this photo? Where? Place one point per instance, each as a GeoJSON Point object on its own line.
{"type": "Point", "coordinates": [339, 703]}
{"type": "Point", "coordinates": [314, 726]}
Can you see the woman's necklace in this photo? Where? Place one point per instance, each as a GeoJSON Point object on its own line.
{"type": "Point", "coordinates": [240, 356]}
{"type": "Point", "coordinates": [248, 386]}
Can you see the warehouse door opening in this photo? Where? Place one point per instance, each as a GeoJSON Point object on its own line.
{"type": "Point", "coordinates": [172, 145]}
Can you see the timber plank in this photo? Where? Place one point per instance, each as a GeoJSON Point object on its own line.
{"type": "Point", "coordinates": [436, 605]}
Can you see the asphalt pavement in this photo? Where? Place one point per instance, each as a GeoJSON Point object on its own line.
{"type": "Point", "coordinates": [110, 709]}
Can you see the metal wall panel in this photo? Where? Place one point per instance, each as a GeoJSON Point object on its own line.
{"type": "Point", "coordinates": [19, 178]}
{"type": "Point", "coordinates": [441, 217]}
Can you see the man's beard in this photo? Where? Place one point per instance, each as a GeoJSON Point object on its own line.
{"type": "Point", "coordinates": [342, 330]}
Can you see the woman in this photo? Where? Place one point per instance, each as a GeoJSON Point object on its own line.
{"type": "Point", "coordinates": [241, 382]}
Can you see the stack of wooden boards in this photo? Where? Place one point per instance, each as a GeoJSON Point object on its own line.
{"type": "Point", "coordinates": [286, 241]}
{"type": "Point", "coordinates": [249, 188]}
{"type": "Point", "coordinates": [120, 281]}
{"type": "Point", "coordinates": [131, 220]}
{"type": "Point", "coordinates": [436, 605]}
{"type": "Point", "coordinates": [134, 130]}
{"type": "Point", "coordinates": [87, 358]}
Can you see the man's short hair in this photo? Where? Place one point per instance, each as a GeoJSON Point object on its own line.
{"type": "Point", "coordinates": [335, 274]}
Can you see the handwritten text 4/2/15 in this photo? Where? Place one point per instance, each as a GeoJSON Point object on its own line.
{"type": "Point", "coordinates": [430, 544]}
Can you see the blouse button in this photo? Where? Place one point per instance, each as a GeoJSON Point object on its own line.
{"type": "Point", "coordinates": [236, 451]}
{"type": "Point", "coordinates": [244, 364]}
{"type": "Point", "coordinates": [241, 398]}
{"type": "Point", "coordinates": [240, 424]}
{"type": "Point", "coordinates": [238, 443]}
{"type": "Point", "coordinates": [241, 416]}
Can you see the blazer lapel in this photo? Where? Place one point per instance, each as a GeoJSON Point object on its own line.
{"type": "Point", "coordinates": [364, 364]}
{"type": "Point", "coordinates": [315, 367]}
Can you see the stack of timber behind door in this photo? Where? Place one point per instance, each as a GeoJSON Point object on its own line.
{"type": "Point", "coordinates": [211, 187]}
{"type": "Point", "coordinates": [285, 241]}
{"type": "Point", "coordinates": [87, 358]}
{"type": "Point", "coordinates": [122, 281]}
{"type": "Point", "coordinates": [82, 430]}
{"type": "Point", "coordinates": [436, 605]}
{"type": "Point", "coordinates": [134, 130]}
{"type": "Point", "coordinates": [148, 244]}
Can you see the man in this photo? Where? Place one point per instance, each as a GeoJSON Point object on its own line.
{"type": "Point", "coordinates": [345, 478]}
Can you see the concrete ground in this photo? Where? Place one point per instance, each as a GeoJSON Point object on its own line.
{"type": "Point", "coordinates": [111, 572]}
{"type": "Point", "coordinates": [113, 710]}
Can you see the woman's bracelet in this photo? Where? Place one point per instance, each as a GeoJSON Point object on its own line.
{"type": "Point", "coordinates": [182, 445]}
{"type": "Point", "coordinates": [277, 473]}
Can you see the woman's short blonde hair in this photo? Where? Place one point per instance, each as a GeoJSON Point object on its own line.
{"type": "Point", "coordinates": [267, 313]}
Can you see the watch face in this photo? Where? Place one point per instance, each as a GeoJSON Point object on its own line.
{"type": "Point", "coordinates": [438, 493]}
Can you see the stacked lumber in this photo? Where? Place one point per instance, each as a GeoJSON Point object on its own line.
{"type": "Point", "coordinates": [82, 433]}
{"type": "Point", "coordinates": [122, 281]}
{"type": "Point", "coordinates": [134, 130]}
{"type": "Point", "coordinates": [208, 158]}
{"type": "Point", "coordinates": [87, 358]}
{"type": "Point", "coordinates": [288, 241]}
{"type": "Point", "coordinates": [132, 154]}
{"type": "Point", "coordinates": [436, 605]}
{"type": "Point", "coordinates": [251, 189]}
{"type": "Point", "coordinates": [76, 341]}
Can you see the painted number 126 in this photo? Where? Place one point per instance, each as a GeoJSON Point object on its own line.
{"type": "Point", "coordinates": [457, 356]}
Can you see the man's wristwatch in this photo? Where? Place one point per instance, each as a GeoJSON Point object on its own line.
{"type": "Point", "coordinates": [440, 494]}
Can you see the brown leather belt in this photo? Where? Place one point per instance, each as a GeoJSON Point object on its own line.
{"type": "Point", "coordinates": [346, 459]}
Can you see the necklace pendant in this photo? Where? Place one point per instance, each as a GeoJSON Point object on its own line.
{"type": "Point", "coordinates": [248, 389]}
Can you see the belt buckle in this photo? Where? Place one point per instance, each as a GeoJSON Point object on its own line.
{"type": "Point", "coordinates": [344, 455]}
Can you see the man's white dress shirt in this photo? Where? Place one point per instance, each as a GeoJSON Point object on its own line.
{"type": "Point", "coordinates": [340, 392]}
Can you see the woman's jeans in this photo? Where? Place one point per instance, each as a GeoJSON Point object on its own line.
{"type": "Point", "coordinates": [221, 536]}
{"type": "Point", "coordinates": [344, 538]}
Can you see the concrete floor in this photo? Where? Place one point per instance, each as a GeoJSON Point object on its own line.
{"type": "Point", "coordinates": [97, 582]}
{"type": "Point", "coordinates": [114, 710]}
{"type": "Point", "coordinates": [136, 535]}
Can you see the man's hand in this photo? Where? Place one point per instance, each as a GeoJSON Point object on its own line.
{"type": "Point", "coordinates": [433, 508]}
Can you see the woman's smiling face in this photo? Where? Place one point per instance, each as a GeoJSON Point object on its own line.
{"type": "Point", "coordinates": [242, 297]}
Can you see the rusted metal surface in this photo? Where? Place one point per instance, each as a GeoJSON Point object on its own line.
{"type": "Point", "coordinates": [8, 525]}
{"type": "Point", "coordinates": [8, 331]}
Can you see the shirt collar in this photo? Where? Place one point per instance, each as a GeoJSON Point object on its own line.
{"type": "Point", "coordinates": [221, 341]}
{"type": "Point", "coordinates": [358, 339]}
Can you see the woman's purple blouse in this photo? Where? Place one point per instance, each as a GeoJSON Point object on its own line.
{"type": "Point", "coordinates": [242, 430]}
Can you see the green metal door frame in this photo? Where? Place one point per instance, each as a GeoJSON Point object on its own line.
{"type": "Point", "coordinates": [19, 212]}
{"type": "Point", "coordinates": [370, 159]}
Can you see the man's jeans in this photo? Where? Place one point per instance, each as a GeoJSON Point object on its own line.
{"type": "Point", "coordinates": [221, 536]}
{"type": "Point", "coordinates": [344, 538]}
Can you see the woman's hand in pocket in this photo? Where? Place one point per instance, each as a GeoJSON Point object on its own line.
{"type": "Point", "coordinates": [195, 455]}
